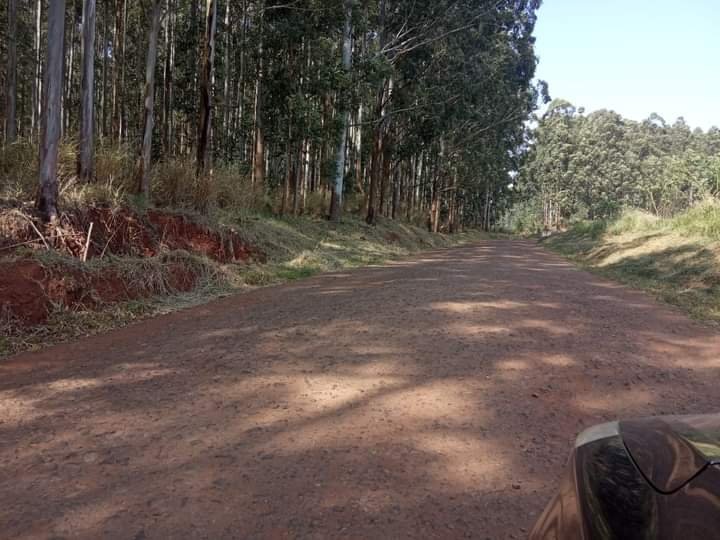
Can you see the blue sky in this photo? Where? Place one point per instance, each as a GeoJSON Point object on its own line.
{"type": "Point", "coordinates": [634, 56]}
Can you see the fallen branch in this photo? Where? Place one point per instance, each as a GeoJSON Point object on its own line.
{"type": "Point", "coordinates": [87, 242]}
{"type": "Point", "coordinates": [32, 224]}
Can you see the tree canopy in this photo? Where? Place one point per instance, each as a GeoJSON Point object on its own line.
{"type": "Point", "coordinates": [591, 166]}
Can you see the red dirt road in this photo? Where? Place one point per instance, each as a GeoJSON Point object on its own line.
{"type": "Point", "coordinates": [432, 398]}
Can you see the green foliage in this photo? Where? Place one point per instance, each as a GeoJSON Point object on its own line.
{"type": "Point", "coordinates": [702, 220]}
{"type": "Point", "coordinates": [441, 89]}
{"type": "Point", "coordinates": [633, 220]}
{"type": "Point", "coordinates": [594, 166]}
{"type": "Point", "coordinates": [592, 229]}
{"type": "Point", "coordinates": [525, 218]}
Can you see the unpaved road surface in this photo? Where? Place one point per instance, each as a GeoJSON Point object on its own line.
{"type": "Point", "coordinates": [432, 398]}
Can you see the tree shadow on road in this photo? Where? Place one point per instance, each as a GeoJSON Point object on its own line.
{"type": "Point", "coordinates": [433, 398]}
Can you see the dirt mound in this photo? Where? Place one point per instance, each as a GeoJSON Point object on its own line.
{"type": "Point", "coordinates": [29, 290]}
{"type": "Point", "coordinates": [120, 232]}
{"type": "Point", "coordinates": [123, 232]}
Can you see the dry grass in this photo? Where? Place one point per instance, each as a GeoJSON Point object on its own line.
{"type": "Point", "coordinates": [677, 260]}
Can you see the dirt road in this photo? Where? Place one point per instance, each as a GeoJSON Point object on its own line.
{"type": "Point", "coordinates": [432, 398]}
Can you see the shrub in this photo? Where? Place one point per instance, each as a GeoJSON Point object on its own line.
{"type": "Point", "coordinates": [633, 220]}
{"type": "Point", "coordinates": [702, 220]}
{"type": "Point", "coordinates": [593, 229]}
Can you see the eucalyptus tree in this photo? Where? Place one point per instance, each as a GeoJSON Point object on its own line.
{"type": "Point", "coordinates": [142, 172]}
{"type": "Point", "coordinates": [344, 113]}
{"type": "Point", "coordinates": [11, 74]}
{"type": "Point", "coordinates": [87, 98]}
{"type": "Point", "coordinates": [51, 117]}
{"type": "Point", "coordinates": [207, 75]}
{"type": "Point", "coordinates": [407, 109]}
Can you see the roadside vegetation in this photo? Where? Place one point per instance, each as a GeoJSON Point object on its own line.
{"type": "Point", "coordinates": [139, 260]}
{"type": "Point", "coordinates": [113, 258]}
{"type": "Point", "coordinates": [634, 201]}
{"type": "Point", "coordinates": [677, 259]}
{"type": "Point", "coordinates": [51, 295]}
{"type": "Point", "coordinates": [594, 166]}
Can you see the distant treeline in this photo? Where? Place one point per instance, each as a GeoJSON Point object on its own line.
{"type": "Point", "coordinates": [592, 166]}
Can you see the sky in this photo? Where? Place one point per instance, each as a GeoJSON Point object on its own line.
{"type": "Point", "coordinates": [635, 57]}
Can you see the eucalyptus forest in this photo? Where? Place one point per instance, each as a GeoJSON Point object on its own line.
{"type": "Point", "coordinates": [405, 109]}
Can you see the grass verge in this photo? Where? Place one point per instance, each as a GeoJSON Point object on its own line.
{"type": "Point", "coordinates": [677, 260]}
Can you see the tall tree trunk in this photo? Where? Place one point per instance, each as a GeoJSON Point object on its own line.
{"type": "Point", "coordinates": [359, 175]}
{"type": "Point", "coordinates": [295, 181]}
{"type": "Point", "coordinates": [385, 177]}
{"type": "Point", "coordinates": [288, 172]}
{"type": "Point", "coordinates": [169, 87]}
{"type": "Point", "coordinates": [118, 70]}
{"type": "Point", "coordinates": [51, 118]}
{"type": "Point", "coordinates": [87, 108]}
{"type": "Point", "coordinates": [453, 200]}
{"type": "Point", "coordinates": [375, 163]}
{"type": "Point", "coordinates": [396, 189]}
{"type": "Point", "coordinates": [378, 153]}
{"type": "Point", "coordinates": [377, 150]}
{"type": "Point", "coordinates": [258, 169]}
{"type": "Point", "coordinates": [239, 128]}
{"type": "Point", "coordinates": [122, 134]}
{"type": "Point", "coordinates": [37, 76]}
{"type": "Point", "coordinates": [103, 92]}
{"type": "Point", "coordinates": [336, 200]}
{"type": "Point", "coordinates": [142, 173]}
{"type": "Point", "coordinates": [206, 78]}
{"type": "Point", "coordinates": [226, 85]}
{"type": "Point", "coordinates": [436, 189]}
{"type": "Point", "coordinates": [70, 65]}
{"type": "Point", "coordinates": [486, 209]}
{"type": "Point", "coordinates": [11, 76]}
{"type": "Point", "coordinates": [306, 174]}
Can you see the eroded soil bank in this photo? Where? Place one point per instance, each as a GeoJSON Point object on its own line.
{"type": "Point", "coordinates": [32, 285]}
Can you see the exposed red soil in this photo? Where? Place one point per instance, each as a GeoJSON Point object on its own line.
{"type": "Point", "coordinates": [22, 291]}
{"type": "Point", "coordinates": [122, 232]}
{"type": "Point", "coordinates": [177, 232]}
{"type": "Point", "coordinates": [29, 290]}
{"type": "Point", "coordinates": [432, 398]}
